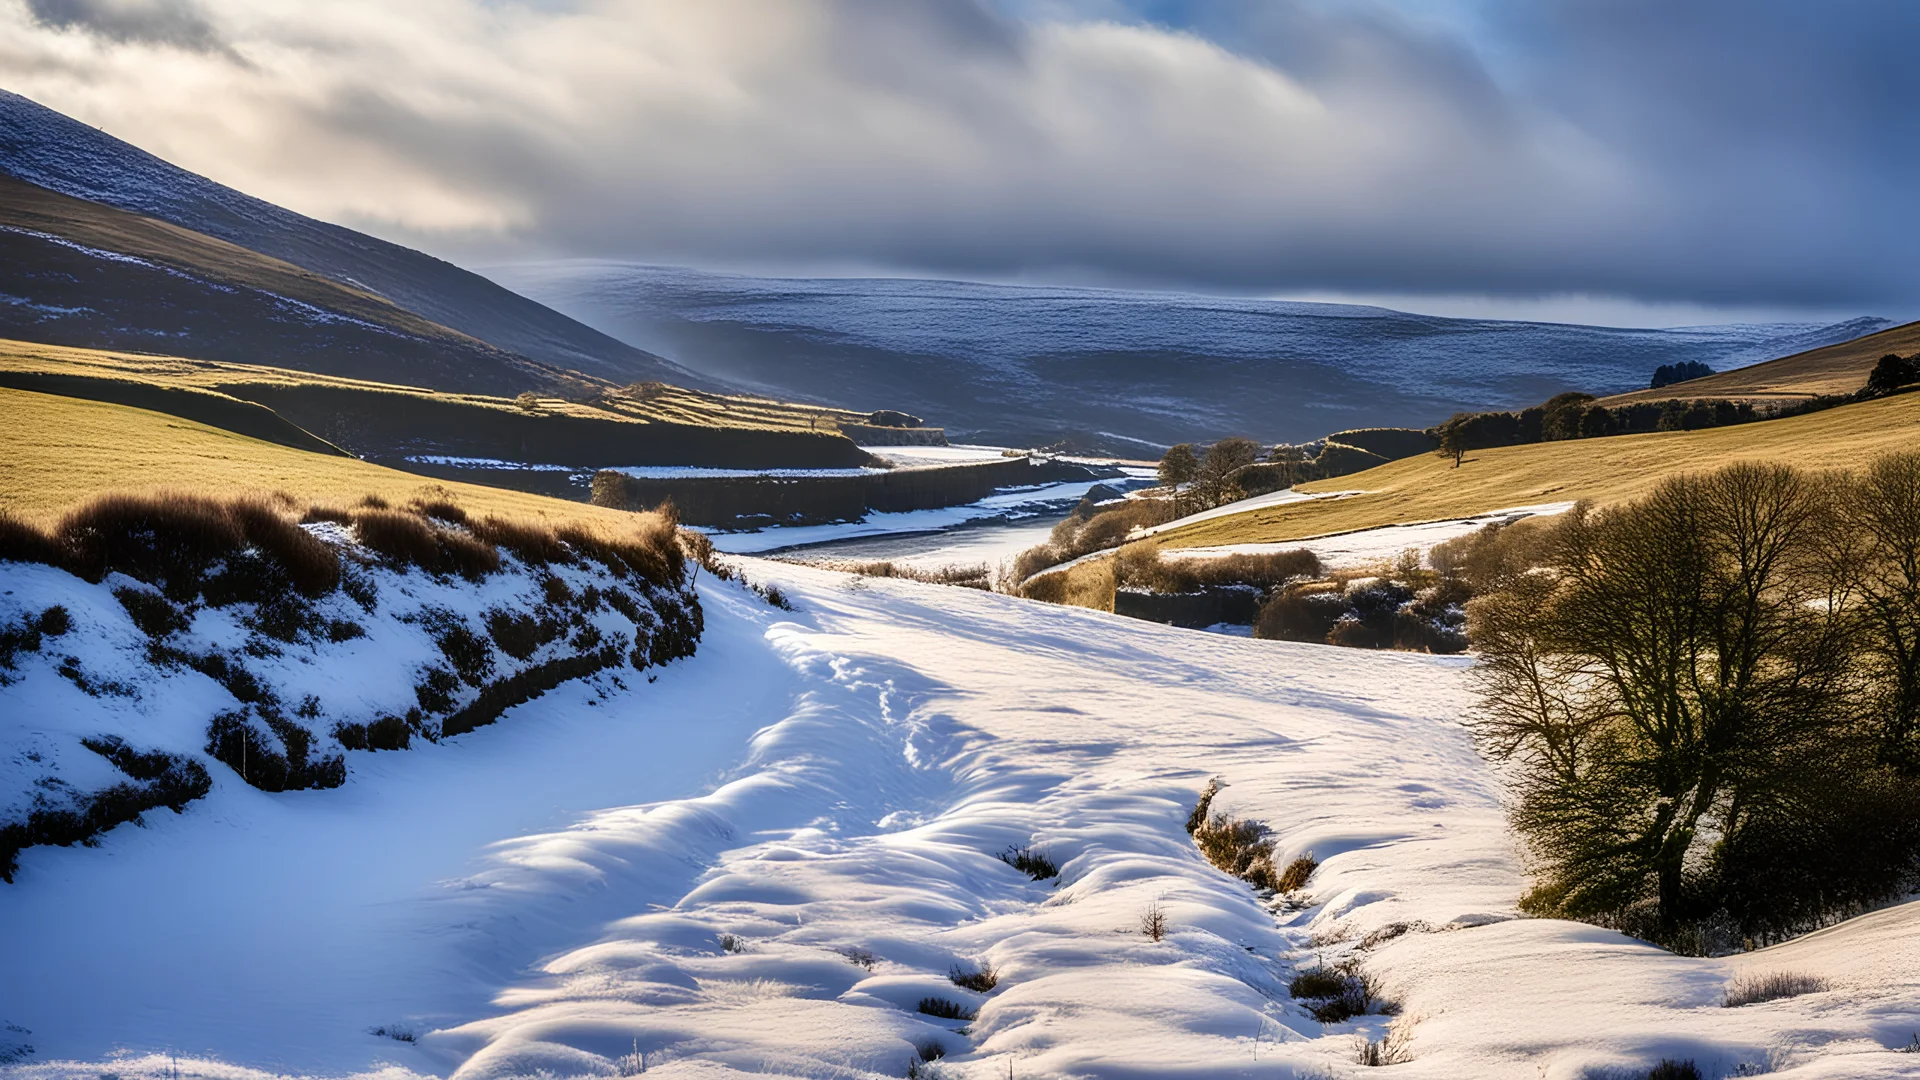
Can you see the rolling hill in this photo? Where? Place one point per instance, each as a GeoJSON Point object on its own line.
{"type": "Point", "coordinates": [1126, 372]}
{"type": "Point", "coordinates": [74, 272]}
{"type": "Point", "coordinates": [415, 428]}
{"type": "Point", "coordinates": [1428, 488]}
{"type": "Point", "coordinates": [47, 148]}
{"type": "Point", "coordinates": [1832, 369]}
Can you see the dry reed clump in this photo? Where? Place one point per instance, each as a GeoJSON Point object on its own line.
{"type": "Point", "coordinates": [1754, 988]}
{"type": "Point", "coordinates": [1143, 565]}
{"type": "Point", "coordinates": [253, 549]}
{"type": "Point", "coordinates": [1089, 584]}
{"type": "Point", "coordinates": [969, 576]}
{"type": "Point", "coordinates": [980, 979]}
{"type": "Point", "coordinates": [1091, 528]}
{"type": "Point", "coordinates": [175, 541]}
{"type": "Point", "coordinates": [1339, 993]}
{"type": "Point", "coordinates": [1239, 846]}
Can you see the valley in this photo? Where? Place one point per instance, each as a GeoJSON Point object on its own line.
{"type": "Point", "coordinates": [600, 668]}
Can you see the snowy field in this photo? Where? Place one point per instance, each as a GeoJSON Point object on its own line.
{"type": "Point", "coordinates": [829, 786]}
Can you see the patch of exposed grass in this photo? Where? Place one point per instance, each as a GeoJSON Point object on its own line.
{"type": "Point", "coordinates": [944, 1008]}
{"type": "Point", "coordinates": [981, 978]}
{"type": "Point", "coordinates": [1756, 987]}
{"type": "Point", "coordinates": [1038, 865]}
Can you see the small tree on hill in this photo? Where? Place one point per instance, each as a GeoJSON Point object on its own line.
{"type": "Point", "coordinates": [1453, 438]}
{"type": "Point", "coordinates": [1892, 373]}
{"type": "Point", "coordinates": [1215, 483]}
{"type": "Point", "coordinates": [1179, 465]}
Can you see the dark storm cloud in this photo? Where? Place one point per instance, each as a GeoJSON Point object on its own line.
{"type": "Point", "coordinates": [178, 23]}
{"type": "Point", "coordinates": [1700, 151]}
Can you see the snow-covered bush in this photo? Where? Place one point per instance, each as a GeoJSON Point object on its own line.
{"type": "Point", "coordinates": [149, 639]}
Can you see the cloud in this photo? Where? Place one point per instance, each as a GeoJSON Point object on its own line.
{"type": "Point", "coordinates": [160, 22]}
{"type": "Point", "coordinates": [1713, 152]}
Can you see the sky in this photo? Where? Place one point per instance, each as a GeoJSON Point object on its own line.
{"type": "Point", "coordinates": [1629, 161]}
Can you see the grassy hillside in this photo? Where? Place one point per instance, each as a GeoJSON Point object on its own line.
{"type": "Point", "coordinates": [655, 403]}
{"type": "Point", "coordinates": [650, 424]}
{"type": "Point", "coordinates": [1834, 369]}
{"type": "Point", "coordinates": [1428, 488]}
{"type": "Point", "coordinates": [60, 451]}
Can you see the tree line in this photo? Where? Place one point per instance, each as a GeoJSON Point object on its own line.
{"type": "Point", "coordinates": [1579, 416]}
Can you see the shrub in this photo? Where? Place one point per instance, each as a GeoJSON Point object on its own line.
{"type": "Point", "coordinates": [944, 1009]}
{"type": "Point", "coordinates": [1155, 923]}
{"type": "Point", "coordinates": [1338, 994]}
{"type": "Point", "coordinates": [22, 542]}
{"type": "Point", "coordinates": [440, 510]}
{"type": "Point", "coordinates": [162, 780]}
{"type": "Point", "coordinates": [1389, 1049]}
{"type": "Point", "coordinates": [523, 686]}
{"type": "Point", "coordinates": [733, 943]}
{"type": "Point", "coordinates": [1294, 877]}
{"type": "Point", "coordinates": [413, 541]}
{"type": "Point", "coordinates": [274, 760]}
{"type": "Point", "coordinates": [1669, 1069]}
{"type": "Point", "coordinates": [1142, 565]}
{"type": "Point", "coordinates": [1236, 846]}
{"type": "Point", "coordinates": [467, 652]}
{"type": "Point", "coordinates": [435, 690]}
{"type": "Point", "coordinates": [1771, 986]}
{"type": "Point", "coordinates": [859, 957]}
{"type": "Point", "coordinates": [533, 544]}
{"type": "Point", "coordinates": [1037, 865]}
{"type": "Point", "coordinates": [517, 634]}
{"type": "Point", "coordinates": [981, 979]}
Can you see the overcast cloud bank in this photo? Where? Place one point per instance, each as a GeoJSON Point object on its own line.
{"type": "Point", "coordinates": [1712, 153]}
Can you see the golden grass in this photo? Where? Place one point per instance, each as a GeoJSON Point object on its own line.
{"type": "Point", "coordinates": [1831, 369]}
{"type": "Point", "coordinates": [665, 404]}
{"type": "Point", "coordinates": [59, 452]}
{"type": "Point", "coordinates": [1428, 488]}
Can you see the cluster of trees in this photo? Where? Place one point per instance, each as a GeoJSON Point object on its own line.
{"type": "Point", "coordinates": [1201, 481]}
{"type": "Point", "coordinates": [1711, 702]}
{"type": "Point", "coordinates": [1685, 370]}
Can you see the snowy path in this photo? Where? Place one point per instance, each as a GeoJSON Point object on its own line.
{"type": "Point", "coordinates": [912, 732]}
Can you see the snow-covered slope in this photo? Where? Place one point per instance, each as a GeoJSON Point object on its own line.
{"type": "Point", "coordinates": [906, 735]}
{"type": "Point", "coordinates": [1122, 370]}
{"type": "Point", "coordinates": [47, 148]}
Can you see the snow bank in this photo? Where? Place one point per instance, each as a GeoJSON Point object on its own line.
{"type": "Point", "coordinates": [902, 736]}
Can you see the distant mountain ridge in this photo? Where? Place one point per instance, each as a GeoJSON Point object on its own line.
{"type": "Point", "coordinates": [1121, 371]}
{"type": "Point", "coordinates": [54, 151]}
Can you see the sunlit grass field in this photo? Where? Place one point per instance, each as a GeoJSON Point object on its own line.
{"type": "Point", "coordinates": [656, 402]}
{"type": "Point", "coordinates": [58, 452]}
{"type": "Point", "coordinates": [1429, 488]}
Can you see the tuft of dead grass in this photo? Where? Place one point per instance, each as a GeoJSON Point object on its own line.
{"type": "Point", "coordinates": [1755, 987]}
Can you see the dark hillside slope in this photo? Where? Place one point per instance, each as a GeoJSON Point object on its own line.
{"type": "Point", "coordinates": [47, 148]}
{"type": "Point", "coordinates": [74, 272]}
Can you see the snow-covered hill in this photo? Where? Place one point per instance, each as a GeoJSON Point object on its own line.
{"type": "Point", "coordinates": [1119, 370]}
{"type": "Point", "coordinates": [55, 151]}
{"type": "Point", "coordinates": [567, 893]}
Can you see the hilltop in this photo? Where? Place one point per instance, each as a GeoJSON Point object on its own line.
{"type": "Point", "coordinates": [1832, 369]}
{"type": "Point", "coordinates": [53, 151]}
